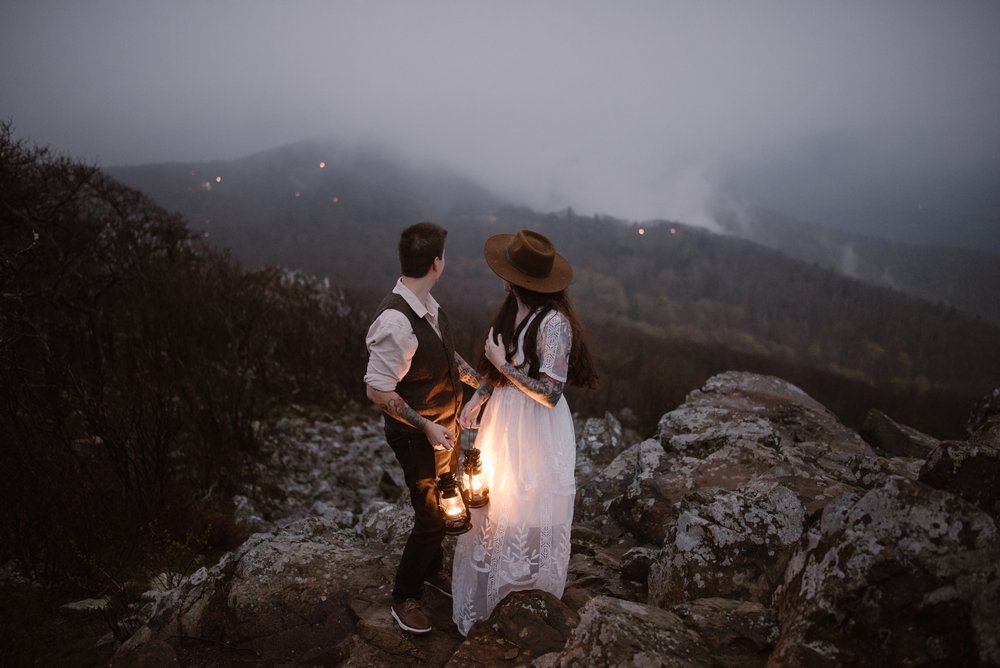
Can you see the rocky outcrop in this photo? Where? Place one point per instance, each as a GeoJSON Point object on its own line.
{"type": "Point", "coordinates": [754, 529]}
{"type": "Point", "coordinates": [969, 470]}
{"type": "Point", "coordinates": [893, 439]}
{"type": "Point", "coordinates": [987, 409]}
{"type": "Point", "coordinates": [902, 574]}
{"type": "Point", "coordinates": [613, 632]}
{"type": "Point", "coordinates": [526, 625]}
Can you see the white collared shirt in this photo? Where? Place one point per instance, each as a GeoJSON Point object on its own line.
{"type": "Point", "coordinates": [391, 341]}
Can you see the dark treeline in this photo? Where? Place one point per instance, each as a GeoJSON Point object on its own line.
{"type": "Point", "coordinates": [139, 371]}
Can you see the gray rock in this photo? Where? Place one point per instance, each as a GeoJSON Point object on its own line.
{"type": "Point", "coordinates": [970, 470]}
{"type": "Point", "coordinates": [894, 439]}
{"type": "Point", "coordinates": [386, 522]}
{"type": "Point", "coordinates": [277, 596]}
{"type": "Point", "coordinates": [739, 634]}
{"type": "Point", "coordinates": [901, 575]}
{"type": "Point", "coordinates": [763, 530]}
{"type": "Point", "coordinates": [624, 473]}
{"type": "Point", "coordinates": [618, 633]}
{"type": "Point", "coordinates": [524, 626]}
{"type": "Point", "coordinates": [601, 439]}
{"type": "Point", "coordinates": [732, 544]}
{"type": "Point", "coordinates": [986, 408]}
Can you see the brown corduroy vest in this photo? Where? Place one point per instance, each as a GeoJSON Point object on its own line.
{"type": "Point", "coordinates": [431, 387]}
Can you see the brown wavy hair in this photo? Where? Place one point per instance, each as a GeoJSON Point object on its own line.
{"type": "Point", "coordinates": [581, 365]}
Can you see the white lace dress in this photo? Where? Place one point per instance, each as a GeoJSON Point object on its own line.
{"type": "Point", "coordinates": [521, 540]}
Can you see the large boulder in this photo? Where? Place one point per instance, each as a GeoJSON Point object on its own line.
{"type": "Point", "coordinates": [622, 476]}
{"type": "Point", "coordinates": [970, 470]}
{"type": "Point", "coordinates": [524, 626]}
{"type": "Point", "coordinates": [902, 575]}
{"type": "Point", "coordinates": [618, 633]}
{"type": "Point", "coordinates": [728, 544]}
{"type": "Point", "coordinates": [894, 439]}
{"type": "Point", "coordinates": [739, 634]}
{"type": "Point", "coordinates": [986, 409]}
{"type": "Point", "coordinates": [745, 463]}
{"type": "Point", "coordinates": [277, 596]}
{"type": "Point", "coordinates": [598, 442]}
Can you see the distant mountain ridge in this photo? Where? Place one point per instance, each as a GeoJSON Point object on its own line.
{"type": "Point", "coordinates": [666, 304]}
{"type": "Point", "coordinates": [356, 184]}
{"type": "Point", "coordinates": [966, 279]}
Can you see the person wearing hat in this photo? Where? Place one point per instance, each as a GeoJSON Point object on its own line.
{"type": "Point", "coordinates": [536, 345]}
{"type": "Point", "coordinates": [414, 375]}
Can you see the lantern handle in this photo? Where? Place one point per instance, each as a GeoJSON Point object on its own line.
{"type": "Point", "coordinates": [470, 442]}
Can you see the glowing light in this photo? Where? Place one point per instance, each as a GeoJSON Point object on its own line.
{"type": "Point", "coordinates": [475, 490]}
{"type": "Point", "coordinates": [206, 185]}
{"type": "Point", "coordinates": [297, 193]}
{"type": "Point", "coordinates": [218, 179]}
{"type": "Point", "coordinates": [322, 165]}
{"type": "Point", "coordinates": [673, 230]}
{"type": "Point", "coordinates": [456, 517]}
{"type": "Point", "coordinates": [335, 200]}
{"type": "Point", "coordinates": [642, 231]}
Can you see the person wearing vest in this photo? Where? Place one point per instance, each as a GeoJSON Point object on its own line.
{"type": "Point", "coordinates": [415, 377]}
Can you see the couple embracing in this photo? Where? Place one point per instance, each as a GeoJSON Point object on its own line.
{"type": "Point", "coordinates": [535, 347]}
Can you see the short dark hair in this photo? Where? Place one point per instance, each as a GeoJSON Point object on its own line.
{"type": "Point", "coordinates": [419, 245]}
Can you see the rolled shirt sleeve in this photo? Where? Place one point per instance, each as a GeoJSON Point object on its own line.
{"type": "Point", "coordinates": [391, 346]}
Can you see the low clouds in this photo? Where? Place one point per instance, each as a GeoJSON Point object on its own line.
{"type": "Point", "coordinates": [638, 109]}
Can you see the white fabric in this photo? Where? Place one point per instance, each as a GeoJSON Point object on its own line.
{"type": "Point", "coordinates": [521, 540]}
{"type": "Point", "coordinates": [391, 341]}
{"type": "Point", "coordinates": [555, 339]}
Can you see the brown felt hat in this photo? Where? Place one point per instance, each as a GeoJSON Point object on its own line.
{"type": "Point", "coordinates": [529, 260]}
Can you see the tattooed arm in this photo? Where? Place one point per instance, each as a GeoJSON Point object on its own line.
{"type": "Point", "coordinates": [393, 405]}
{"type": "Point", "coordinates": [466, 373]}
{"type": "Point", "coordinates": [545, 390]}
{"type": "Point", "coordinates": [470, 412]}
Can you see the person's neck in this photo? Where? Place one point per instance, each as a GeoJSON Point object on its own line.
{"type": "Point", "coordinates": [522, 312]}
{"type": "Point", "coordinates": [420, 287]}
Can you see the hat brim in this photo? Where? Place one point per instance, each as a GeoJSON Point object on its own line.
{"type": "Point", "coordinates": [495, 252]}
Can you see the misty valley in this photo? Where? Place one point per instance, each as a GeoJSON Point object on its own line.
{"type": "Point", "coordinates": [668, 306]}
{"type": "Point", "coordinates": [182, 372]}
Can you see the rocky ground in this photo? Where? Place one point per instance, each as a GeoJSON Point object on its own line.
{"type": "Point", "coordinates": [753, 530]}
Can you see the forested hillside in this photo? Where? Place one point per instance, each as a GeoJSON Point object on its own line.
{"type": "Point", "coordinates": [140, 371]}
{"type": "Point", "coordinates": [668, 304]}
{"type": "Point", "coordinates": [968, 279]}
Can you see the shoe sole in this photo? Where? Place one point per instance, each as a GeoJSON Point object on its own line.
{"type": "Point", "coordinates": [437, 588]}
{"type": "Point", "coordinates": [404, 626]}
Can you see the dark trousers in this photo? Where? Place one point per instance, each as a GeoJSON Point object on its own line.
{"type": "Point", "coordinates": [423, 553]}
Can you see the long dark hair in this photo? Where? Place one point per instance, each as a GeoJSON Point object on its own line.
{"type": "Point", "coordinates": [581, 365]}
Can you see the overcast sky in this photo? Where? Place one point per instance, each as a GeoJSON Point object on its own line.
{"type": "Point", "coordinates": [634, 109]}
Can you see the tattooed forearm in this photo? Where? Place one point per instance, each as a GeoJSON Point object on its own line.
{"type": "Point", "coordinates": [394, 406]}
{"type": "Point", "coordinates": [543, 390]}
{"type": "Point", "coordinates": [466, 373]}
